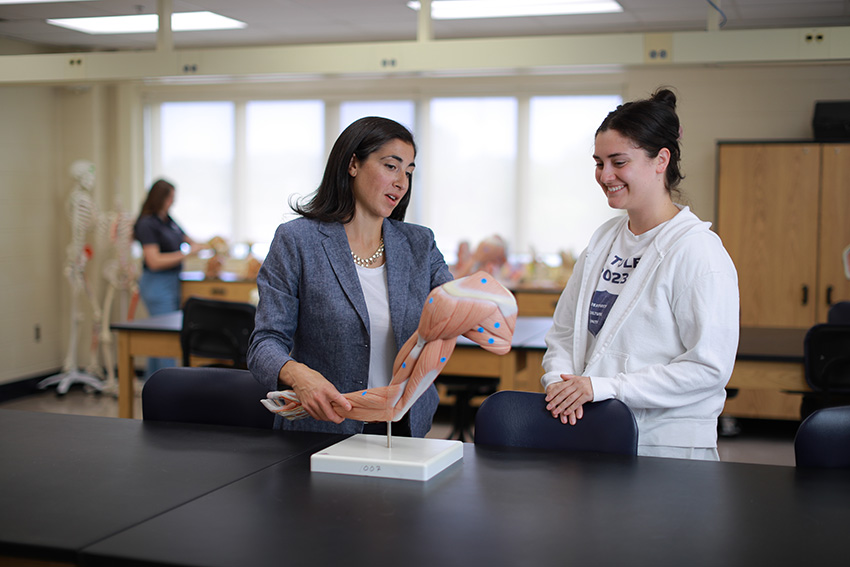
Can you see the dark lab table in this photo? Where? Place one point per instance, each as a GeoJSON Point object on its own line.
{"type": "Point", "coordinates": [508, 507]}
{"type": "Point", "coordinates": [68, 481]}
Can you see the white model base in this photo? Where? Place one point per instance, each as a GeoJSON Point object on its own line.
{"type": "Point", "coordinates": [368, 455]}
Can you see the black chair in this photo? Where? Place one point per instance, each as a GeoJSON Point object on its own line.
{"type": "Point", "coordinates": [823, 439]}
{"type": "Point", "coordinates": [826, 363]}
{"type": "Point", "coordinates": [520, 419]}
{"type": "Point", "coordinates": [215, 329]}
{"type": "Point", "coordinates": [839, 313]}
{"type": "Point", "coordinates": [216, 396]}
{"type": "Point", "coordinates": [464, 389]}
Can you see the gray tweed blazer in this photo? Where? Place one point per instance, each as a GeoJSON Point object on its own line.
{"type": "Point", "coordinates": [312, 309]}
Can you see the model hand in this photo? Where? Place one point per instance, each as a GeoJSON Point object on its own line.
{"type": "Point", "coordinates": [566, 399]}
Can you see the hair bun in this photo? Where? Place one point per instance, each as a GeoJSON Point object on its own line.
{"type": "Point", "coordinates": [665, 96]}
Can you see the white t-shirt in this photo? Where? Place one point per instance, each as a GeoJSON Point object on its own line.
{"type": "Point", "coordinates": [623, 258]}
{"type": "Point", "coordinates": [373, 281]}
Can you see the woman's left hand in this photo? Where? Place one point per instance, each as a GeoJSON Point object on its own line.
{"type": "Point", "coordinates": [566, 399]}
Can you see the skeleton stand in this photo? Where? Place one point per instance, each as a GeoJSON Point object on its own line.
{"type": "Point", "coordinates": [70, 372]}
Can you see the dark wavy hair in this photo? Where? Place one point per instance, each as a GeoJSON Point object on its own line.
{"type": "Point", "coordinates": [333, 201]}
{"type": "Point", "coordinates": [159, 192]}
{"type": "Point", "coordinates": [652, 124]}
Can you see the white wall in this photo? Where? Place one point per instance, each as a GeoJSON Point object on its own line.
{"type": "Point", "coordinates": [45, 128]}
{"type": "Point", "coordinates": [771, 102]}
{"type": "Point", "coordinates": [30, 265]}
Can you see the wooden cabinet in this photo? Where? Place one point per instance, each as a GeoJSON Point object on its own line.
{"type": "Point", "coordinates": [782, 212]}
{"type": "Point", "coordinates": [834, 226]}
{"type": "Point", "coordinates": [765, 390]}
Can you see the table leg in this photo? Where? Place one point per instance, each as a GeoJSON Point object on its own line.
{"type": "Point", "coordinates": [125, 376]}
{"type": "Point", "coordinates": [508, 367]}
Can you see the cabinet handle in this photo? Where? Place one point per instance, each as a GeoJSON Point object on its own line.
{"type": "Point", "coordinates": [805, 295]}
{"type": "Point", "coordinates": [829, 295]}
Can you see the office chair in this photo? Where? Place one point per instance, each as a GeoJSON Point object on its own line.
{"type": "Point", "coordinates": [826, 364]}
{"type": "Point", "coordinates": [520, 419]}
{"type": "Point", "coordinates": [216, 396]}
{"type": "Point", "coordinates": [217, 329]}
{"type": "Point", "coordinates": [464, 389]}
{"type": "Point", "coordinates": [839, 313]}
{"type": "Point", "coordinates": [823, 439]}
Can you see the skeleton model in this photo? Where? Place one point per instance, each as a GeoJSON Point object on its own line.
{"type": "Point", "coordinates": [121, 273]}
{"type": "Point", "coordinates": [477, 307]}
{"type": "Point", "coordinates": [82, 213]}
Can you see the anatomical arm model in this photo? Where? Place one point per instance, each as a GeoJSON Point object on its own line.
{"type": "Point", "coordinates": [477, 307]}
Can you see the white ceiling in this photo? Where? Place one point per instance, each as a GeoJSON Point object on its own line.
{"type": "Point", "coordinates": [282, 22]}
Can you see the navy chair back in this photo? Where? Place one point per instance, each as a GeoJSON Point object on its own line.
{"type": "Point", "coordinates": [217, 329]}
{"type": "Point", "coordinates": [520, 419]}
{"type": "Point", "coordinates": [826, 354]}
{"type": "Point", "coordinates": [216, 396]}
{"type": "Point", "coordinates": [823, 439]}
{"type": "Point", "coordinates": [839, 313]}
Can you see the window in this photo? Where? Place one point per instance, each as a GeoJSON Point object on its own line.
{"type": "Point", "coordinates": [470, 188]}
{"type": "Point", "coordinates": [516, 166]}
{"type": "Point", "coordinates": [237, 165]}
{"type": "Point", "coordinates": [196, 154]}
{"type": "Point", "coordinates": [564, 203]}
{"type": "Point", "coordinates": [402, 111]}
{"type": "Point", "coordinates": [284, 160]}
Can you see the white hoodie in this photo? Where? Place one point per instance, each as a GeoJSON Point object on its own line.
{"type": "Point", "coordinates": [668, 346]}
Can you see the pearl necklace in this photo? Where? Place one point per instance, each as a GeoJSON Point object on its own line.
{"type": "Point", "coordinates": [366, 262]}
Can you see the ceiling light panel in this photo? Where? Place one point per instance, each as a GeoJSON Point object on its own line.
{"type": "Point", "coordinates": [148, 23]}
{"type": "Point", "coordinates": [469, 9]}
{"type": "Point", "coordinates": [38, 1]}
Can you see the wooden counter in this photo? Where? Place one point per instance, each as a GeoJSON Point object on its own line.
{"type": "Point", "coordinates": [229, 287]}
{"type": "Point", "coordinates": [768, 381]}
{"type": "Point", "coordinates": [531, 302]}
{"type": "Point", "coordinates": [537, 302]}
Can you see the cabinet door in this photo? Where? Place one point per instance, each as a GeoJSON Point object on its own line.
{"type": "Point", "coordinates": [835, 226]}
{"type": "Point", "coordinates": [767, 216]}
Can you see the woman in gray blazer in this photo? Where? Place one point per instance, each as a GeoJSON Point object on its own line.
{"type": "Point", "coordinates": [343, 286]}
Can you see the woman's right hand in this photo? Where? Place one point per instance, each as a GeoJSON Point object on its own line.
{"type": "Point", "coordinates": [196, 247]}
{"type": "Point", "coordinates": [316, 393]}
{"type": "Point", "coordinates": [566, 399]}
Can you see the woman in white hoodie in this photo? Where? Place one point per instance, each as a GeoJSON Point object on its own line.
{"type": "Point", "coordinates": [650, 314]}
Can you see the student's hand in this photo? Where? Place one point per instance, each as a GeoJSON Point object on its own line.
{"type": "Point", "coordinates": [196, 247]}
{"type": "Point", "coordinates": [566, 399]}
{"type": "Point", "coordinates": [314, 391]}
